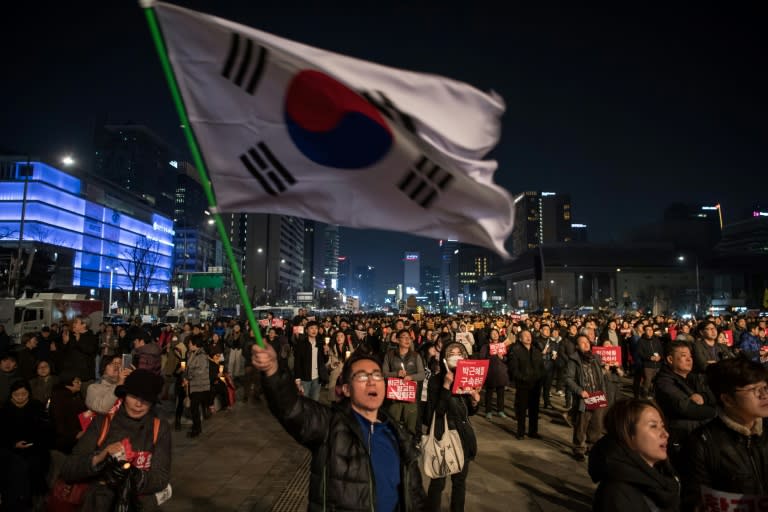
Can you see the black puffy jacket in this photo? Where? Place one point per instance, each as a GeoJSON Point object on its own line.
{"type": "Point", "coordinates": [629, 484]}
{"type": "Point", "coordinates": [673, 394]}
{"type": "Point", "coordinates": [341, 475]}
{"type": "Point", "coordinates": [725, 459]}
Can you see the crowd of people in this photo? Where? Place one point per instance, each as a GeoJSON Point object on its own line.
{"type": "Point", "coordinates": [73, 402]}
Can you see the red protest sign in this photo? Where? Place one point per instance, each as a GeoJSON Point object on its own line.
{"type": "Point", "coordinates": [609, 355]}
{"type": "Point", "coordinates": [85, 417]}
{"type": "Point", "coordinates": [278, 322]}
{"type": "Point", "coordinates": [729, 336]}
{"type": "Point", "coordinates": [469, 374]}
{"type": "Point", "coordinates": [499, 349]}
{"type": "Point", "coordinates": [403, 390]}
{"type": "Point", "coordinates": [720, 501]}
{"type": "Point", "coordinates": [298, 329]}
{"type": "Point", "coordinates": [264, 322]}
{"type": "Point", "coordinates": [596, 400]}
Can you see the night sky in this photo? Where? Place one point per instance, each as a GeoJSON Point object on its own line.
{"type": "Point", "coordinates": [625, 108]}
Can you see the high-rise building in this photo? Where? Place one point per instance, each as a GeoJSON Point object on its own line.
{"type": "Point", "coordinates": [411, 273]}
{"type": "Point", "coordinates": [308, 284]}
{"type": "Point", "coordinates": [137, 160]}
{"type": "Point", "coordinates": [579, 232]}
{"type": "Point", "coordinates": [345, 278]}
{"type": "Point", "coordinates": [431, 286]}
{"type": "Point", "coordinates": [276, 247]}
{"type": "Point", "coordinates": [474, 265]}
{"type": "Point", "coordinates": [365, 277]}
{"type": "Point", "coordinates": [331, 256]}
{"type": "Point", "coordinates": [540, 218]}
{"type": "Point", "coordinates": [449, 283]}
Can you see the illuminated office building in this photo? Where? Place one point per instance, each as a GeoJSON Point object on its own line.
{"type": "Point", "coordinates": [100, 227]}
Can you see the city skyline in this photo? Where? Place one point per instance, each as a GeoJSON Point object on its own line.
{"type": "Point", "coordinates": [626, 111]}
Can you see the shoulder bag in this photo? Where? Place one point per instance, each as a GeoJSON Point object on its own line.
{"type": "Point", "coordinates": [441, 457]}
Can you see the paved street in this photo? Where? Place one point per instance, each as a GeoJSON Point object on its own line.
{"type": "Point", "coordinates": [245, 462]}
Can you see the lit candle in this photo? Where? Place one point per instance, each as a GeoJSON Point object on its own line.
{"type": "Point", "coordinates": [349, 352]}
{"type": "Point", "coordinates": [221, 368]}
{"type": "Point", "coordinates": [327, 340]}
{"type": "Point", "coordinates": [183, 365]}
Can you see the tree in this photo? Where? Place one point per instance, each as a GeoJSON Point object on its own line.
{"type": "Point", "coordinates": [139, 264]}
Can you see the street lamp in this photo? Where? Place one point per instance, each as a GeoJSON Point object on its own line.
{"type": "Point", "coordinates": [111, 276]}
{"type": "Point", "coordinates": [681, 258]}
{"type": "Point", "coordinates": [68, 160]}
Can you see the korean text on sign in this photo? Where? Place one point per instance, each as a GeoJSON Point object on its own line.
{"type": "Point", "coordinates": [403, 390]}
{"type": "Point", "coordinates": [470, 374]}
{"type": "Point", "coordinates": [609, 355]}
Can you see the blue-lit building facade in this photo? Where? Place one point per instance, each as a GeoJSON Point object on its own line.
{"type": "Point", "coordinates": [100, 229]}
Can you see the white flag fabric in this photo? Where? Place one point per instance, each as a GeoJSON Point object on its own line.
{"type": "Point", "coordinates": [290, 129]}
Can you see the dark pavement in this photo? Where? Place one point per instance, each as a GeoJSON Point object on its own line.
{"type": "Point", "coordinates": [244, 461]}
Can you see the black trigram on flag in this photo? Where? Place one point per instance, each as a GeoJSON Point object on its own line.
{"type": "Point", "coordinates": [267, 169]}
{"type": "Point", "coordinates": [241, 64]}
{"type": "Point", "coordinates": [424, 181]}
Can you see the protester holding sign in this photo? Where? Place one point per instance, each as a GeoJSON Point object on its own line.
{"type": "Point", "coordinates": [730, 453]}
{"type": "Point", "coordinates": [404, 363]}
{"type": "Point", "coordinates": [458, 409]}
{"type": "Point", "coordinates": [498, 375]}
{"type": "Point", "coordinates": [630, 462]}
{"type": "Point", "coordinates": [585, 381]}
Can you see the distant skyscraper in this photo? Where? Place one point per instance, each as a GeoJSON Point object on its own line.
{"type": "Point", "coordinates": [331, 256]}
{"type": "Point", "coordinates": [540, 218]}
{"type": "Point", "coordinates": [449, 283]}
{"type": "Point", "coordinates": [309, 255]}
{"type": "Point", "coordinates": [136, 159]}
{"type": "Point", "coordinates": [579, 233]}
{"type": "Point", "coordinates": [430, 285]}
{"type": "Point", "coordinates": [474, 264]}
{"type": "Point", "coordinates": [276, 249]}
{"type": "Point", "coordinates": [411, 273]}
{"type": "Point", "coordinates": [365, 277]}
{"type": "Point", "coordinates": [345, 278]}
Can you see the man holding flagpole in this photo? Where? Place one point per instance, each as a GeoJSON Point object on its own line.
{"type": "Point", "coordinates": [361, 458]}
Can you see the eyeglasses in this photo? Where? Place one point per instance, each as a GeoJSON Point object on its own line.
{"type": "Point", "coordinates": [377, 376]}
{"type": "Point", "coordinates": [758, 391]}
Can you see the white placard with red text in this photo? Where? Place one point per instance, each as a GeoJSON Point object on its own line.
{"type": "Point", "coordinates": [470, 374]}
{"type": "Point", "coordinates": [719, 501]}
{"type": "Point", "coordinates": [609, 355]}
{"type": "Point", "coordinates": [402, 390]}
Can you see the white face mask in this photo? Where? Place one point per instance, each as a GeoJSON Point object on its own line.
{"type": "Point", "coordinates": [453, 361]}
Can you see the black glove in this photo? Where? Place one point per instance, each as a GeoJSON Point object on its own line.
{"type": "Point", "coordinates": [137, 478]}
{"type": "Point", "coordinates": [116, 472]}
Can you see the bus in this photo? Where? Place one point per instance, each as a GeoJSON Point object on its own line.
{"type": "Point", "coordinates": [284, 312]}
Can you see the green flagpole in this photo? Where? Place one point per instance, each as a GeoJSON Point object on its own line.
{"type": "Point", "coordinates": [197, 159]}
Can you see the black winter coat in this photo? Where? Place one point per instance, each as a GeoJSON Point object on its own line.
{"type": "Point", "coordinates": [458, 408]}
{"type": "Point", "coordinates": [629, 484]}
{"type": "Point", "coordinates": [673, 394]}
{"type": "Point", "coordinates": [341, 475]}
{"type": "Point", "coordinates": [527, 365]}
{"type": "Point", "coordinates": [575, 382]}
{"type": "Point", "coordinates": [77, 467]}
{"type": "Point", "coordinates": [302, 368]}
{"type": "Point", "coordinates": [726, 460]}
{"type": "Point", "coordinates": [78, 357]}
{"type": "Point", "coordinates": [498, 369]}
{"type": "Point", "coordinates": [646, 348]}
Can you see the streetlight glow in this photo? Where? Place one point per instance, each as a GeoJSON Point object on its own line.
{"type": "Point", "coordinates": [68, 160]}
